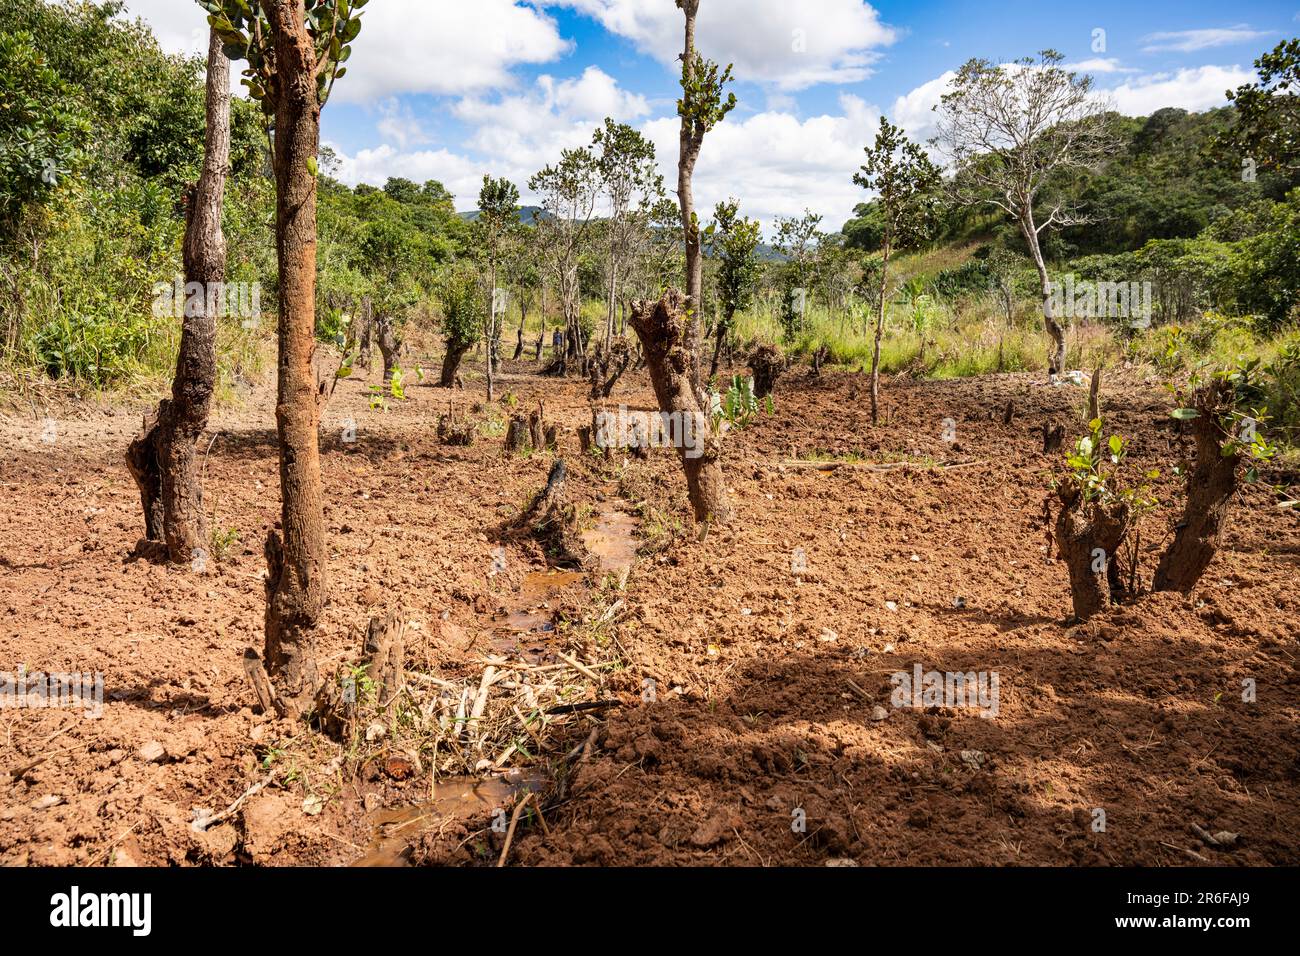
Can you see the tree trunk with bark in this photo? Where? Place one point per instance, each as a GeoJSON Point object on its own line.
{"type": "Point", "coordinates": [451, 362]}
{"type": "Point", "coordinates": [662, 328]}
{"type": "Point", "coordinates": [1088, 539]}
{"type": "Point", "coordinates": [295, 555]}
{"type": "Point", "coordinates": [390, 345]}
{"type": "Point", "coordinates": [1210, 488]}
{"type": "Point", "coordinates": [1055, 331]}
{"type": "Point", "coordinates": [689, 143]}
{"type": "Point", "coordinates": [724, 326]}
{"type": "Point", "coordinates": [164, 460]}
{"type": "Point", "coordinates": [879, 333]}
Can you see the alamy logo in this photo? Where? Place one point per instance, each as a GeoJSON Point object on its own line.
{"type": "Point", "coordinates": [37, 690]}
{"type": "Point", "coordinates": [920, 689]}
{"type": "Point", "coordinates": [1073, 298]}
{"type": "Point", "coordinates": [181, 299]}
{"type": "Point", "coordinates": [74, 909]}
{"type": "Point", "coordinates": [628, 429]}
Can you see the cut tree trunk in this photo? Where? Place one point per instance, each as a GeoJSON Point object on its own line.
{"type": "Point", "coordinates": [451, 362]}
{"type": "Point", "coordinates": [295, 554]}
{"type": "Point", "coordinates": [518, 436]}
{"type": "Point", "coordinates": [1088, 539]}
{"type": "Point", "coordinates": [1210, 488]}
{"type": "Point", "coordinates": [608, 367]}
{"type": "Point", "coordinates": [390, 345]}
{"type": "Point", "coordinates": [662, 328]}
{"type": "Point", "coordinates": [554, 522]}
{"type": "Point", "coordinates": [164, 459]}
{"type": "Point", "coordinates": [767, 364]}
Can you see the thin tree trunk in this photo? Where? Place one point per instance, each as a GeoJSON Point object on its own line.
{"type": "Point", "coordinates": [879, 333]}
{"type": "Point", "coordinates": [491, 337]}
{"type": "Point", "coordinates": [717, 346]}
{"type": "Point", "coordinates": [296, 555]}
{"type": "Point", "coordinates": [164, 459]}
{"type": "Point", "coordinates": [1056, 354]}
{"type": "Point", "coordinates": [689, 153]}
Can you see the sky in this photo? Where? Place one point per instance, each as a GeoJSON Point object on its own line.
{"type": "Point", "coordinates": [453, 89]}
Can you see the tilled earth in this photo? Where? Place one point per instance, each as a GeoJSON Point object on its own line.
{"type": "Point", "coordinates": [755, 668]}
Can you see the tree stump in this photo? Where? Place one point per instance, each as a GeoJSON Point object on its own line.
{"type": "Point", "coordinates": [766, 363]}
{"type": "Point", "coordinates": [518, 436]}
{"type": "Point", "coordinates": [674, 367]}
{"type": "Point", "coordinates": [1210, 488]}
{"type": "Point", "coordinates": [1088, 539]}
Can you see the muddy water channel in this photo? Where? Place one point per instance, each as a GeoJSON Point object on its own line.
{"type": "Point", "coordinates": [522, 628]}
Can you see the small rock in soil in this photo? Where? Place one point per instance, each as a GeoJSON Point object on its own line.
{"type": "Point", "coordinates": [718, 826]}
{"type": "Point", "coordinates": [152, 752]}
{"type": "Point", "coordinates": [973, 758]}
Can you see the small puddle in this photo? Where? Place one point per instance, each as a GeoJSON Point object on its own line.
{"type": "Point", "coordinates": [523, 627]}
{"type": "Point", "coordinates": [613, 540]}
{"type": "Point", "coordinates": [522, 630]}
{"type": "Point", "coordinates": [397, 829]}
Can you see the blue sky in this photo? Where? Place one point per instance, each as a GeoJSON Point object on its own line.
{"type": "Point", "coordinates": [451, 89]}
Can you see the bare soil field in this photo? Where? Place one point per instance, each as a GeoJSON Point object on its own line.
{"type": "Point", "coordinates": [742, 701]}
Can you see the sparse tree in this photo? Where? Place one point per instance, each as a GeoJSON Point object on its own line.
{"type": "Point", "coordinates": [701, 107]}
{"type": "Point", "coordinates": [569, 190]}
{"type": "Point", "coordinates": [732, 240]}
{"type": "Point", "coordinates": [905, 182]}
{"type": "Point", "coordinates": [1009, 129]}
{"type": "Point", "coordinates": [498, 203]}
{"type": "Point", "coordinates": [630, 180]}
{"type": "Point", "coordinates": [797, 239]}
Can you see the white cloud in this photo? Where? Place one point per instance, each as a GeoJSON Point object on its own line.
{"type": "Point", "coordinates": [180, 27]}
{"type": "Point", "coordinates": [1189, 41]}
{"type": "Point", "coordinates": [406, 46]}
{"type": "Point", "coordinates": [398, 124]}
{"type": "Point", "coordinates": [1199, 88]}
{"type": "Point", "coordinates": [1100, 65]}
{"type": "Point", "coordinates": [788, 45]}
{"type": "Point", "coordinates": [515, 134]}
{"type": "Point", "coordinates": [914, 111]}
{"type": "Point", "coordinates": [527, 131]}
{"type": "Point", "coordinates": [460, 174]}
{"type": "Point", "coordinates": [777, 164]}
